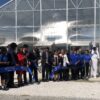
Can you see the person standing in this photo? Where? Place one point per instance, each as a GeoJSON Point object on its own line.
{"type": "Point", "coordinates": [56, 63]}
{"type": "Point", "coordinates": [65, 66]}
{"type": "Point", "coordinates": [12, 55]}
{"type": "Point", "coordinates": [45, 70]}
{"type": "Point", "coordinates": [25, 64]}
{"type": "Point", "coordinates": [81, 65]}
{"type": "Point", "coordinates": [74, 60]}
{"type": "Point", "coordinates": [4, 62]}
{"type": "Point", "coordinates": [60, 56]}
{"type": "Point", "coordinates": [94, 65]}
{"type": "Point", "coordinates": [87, 59]}
{"type": "Point", "coordinates": [21, 59]}
{"type": "Point", "coordinates": [32, 62]}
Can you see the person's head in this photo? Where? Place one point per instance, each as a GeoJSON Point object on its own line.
{"type": "Point", "coordinates": [13, 46]}
{"type": "Point", "coordinates": [74, 51]}
{"type": "Point", "coordinates": [20, 49]}
{"type": "Point", "coordinates": [25, 48]}
{"type": "Point", "coordinates": [82, 52]}
{"type": "Point", "coordinates": [62, 51]}
{"type": "Point", "coordinates": [94, 48]}
{"type": "Point", "coordinates": [3, 50]}
{"type": "Point", "coordinates": [47, 49]}
{"type": "Point", "coordinates": [56, 53]}
{"type": "Point", "coordinates": [87, 52]}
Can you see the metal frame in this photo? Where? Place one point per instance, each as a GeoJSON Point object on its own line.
{"type": "Point", "coordinates": [76, 7]}
{"type": "Point", "coordinates": [6, 3]}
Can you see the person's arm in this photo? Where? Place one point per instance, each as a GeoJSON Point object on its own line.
{"type": "Point", "coordinates": [67, 61]}
{"type": "Point", "coordinates": [4, 63]}
{"type": "Point", "coordinates": [20, 58]}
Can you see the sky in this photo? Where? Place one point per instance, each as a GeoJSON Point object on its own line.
{"type": "Point", "coordinates": [3, 2]}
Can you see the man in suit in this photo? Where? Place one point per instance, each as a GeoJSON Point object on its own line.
{"type": "Point", "coordinates": [45, 64]}
{"type": "Point", "coordinates": [32, 61]}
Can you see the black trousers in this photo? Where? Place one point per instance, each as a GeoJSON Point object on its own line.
{"type": "Point", "coordinates": [11, 79]}
{"type": "Point", "coordinates": [87, 68]}
{"type": "Point", "coordinates": [66, 73]}
{"type": "Point", "coordinates": [81, 72]}
{"type": "Point", "coordinates": [25, 77]}
{"type": "Point", "coordinates": [46, 70]}
{"type": "Point", "coordinates": [74, 72]}
{"type": "Point", "coordinates": [35, 74]}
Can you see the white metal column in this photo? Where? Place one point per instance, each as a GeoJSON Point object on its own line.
{"type": "Point", "coordinates": [77, 21]}
{"type": "Point", "coordinates": [33, 20]}
{"type": "Point", "coordinates": [41, 20]}
{"type": "Point", "coordinates": [16, 21]}
{"type": "Point", "coordinates": [95, 22]}
{"type": "Point", "coordinates": [67, 21]}
{"type": "Point", "coordinates": [54, 4]}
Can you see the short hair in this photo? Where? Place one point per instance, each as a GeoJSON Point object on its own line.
{"type": "Point", "coordinates": [13, 45]}
{"type": "Point", "coordinates": [25, 46]}
{"type": "Point", "coordinates": [3, 49]}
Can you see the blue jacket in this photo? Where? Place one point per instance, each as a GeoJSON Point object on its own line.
{"type": "Point", "coordinates": [87, 58]}
{"type": "Point", "coordinates": [3, 58]}
{"type": "Point", "coordinates": [74, 58]}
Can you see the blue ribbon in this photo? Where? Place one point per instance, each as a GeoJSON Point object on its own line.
{"type": "Point", "coordinates": [15, 68]}
{"type": "Point", "coordinates": [56, 69]}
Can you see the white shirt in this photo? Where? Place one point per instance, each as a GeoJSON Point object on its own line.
{"type": "Point", "coordinates": [65, 60]}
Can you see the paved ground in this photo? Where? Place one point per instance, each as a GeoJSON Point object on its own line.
{"type": "Point", "coordinates": [2, 97]}
{"type": "Point", "coordinates": [71, 90]}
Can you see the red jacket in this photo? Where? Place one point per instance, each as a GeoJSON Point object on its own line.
{"type": "Point", "coordinates": [21, 60]}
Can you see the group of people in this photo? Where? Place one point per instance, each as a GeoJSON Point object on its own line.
{"type": "Point", "coordinates": [12, 56]}
{"type": "Point", "coordinates": [63, 65]}
{"type": "Point", "coordinates": [57, 65]}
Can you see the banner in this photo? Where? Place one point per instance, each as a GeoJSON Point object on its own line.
{"type": "Point", "coordinates": [56, 69]}
{"type": "Point", "coordinates": [15, 68]}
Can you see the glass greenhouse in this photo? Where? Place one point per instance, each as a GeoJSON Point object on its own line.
{"type": "Point", "coordinates": [75, 22]}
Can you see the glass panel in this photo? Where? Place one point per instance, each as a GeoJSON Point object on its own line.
{"type": "Point", "coordinates": [23, 5]}
{"type": "Point", "coordinates": [7, 35]}
{"type": "Point", "coordinates": [48, 4]}
{"type": "Point", "coordinates": [53, 16]}
{"type": "Point", "coordinates": [4, 2]}
{"type": "Point", "coordinates": [54, 33]}
{"type": "Point", "coordinates": [7, 18]}
{"type": "Point", "coordinates": [36, 29]}
{"type": "Point", "coordinates": [98, 16]}
{"type": "Point", "coordinates": [70, 4]}
{"type": "Point", "coordinates": [84, 33]}
{"type": "Point", "coordinates": [98, 33]}
{"type": "Point", "coordinates": [98, 3]}
{"type": "Point", "coordinates": [37, 18]}
{"type": "Point", "coordinates": [98, 23]}
{"type": "Point", "coordinates": [60, 4]}
{"type": "Point", "coordinates": [9, 7]}
{"type": "Point", "coordinates": [36, 4]}
{"type": "Point", "coordinates": [72, 15]}
{"type": "Point", "coordinates": [31, 3]}
{"type": "Point", "coordinates": [25, 18]}
{"type": "Point", "coordinates": [86, 16]}
{"type": "Point", "coordinates": [86, 3]}
{"type": "Point", "coordinates": [25, 34]}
